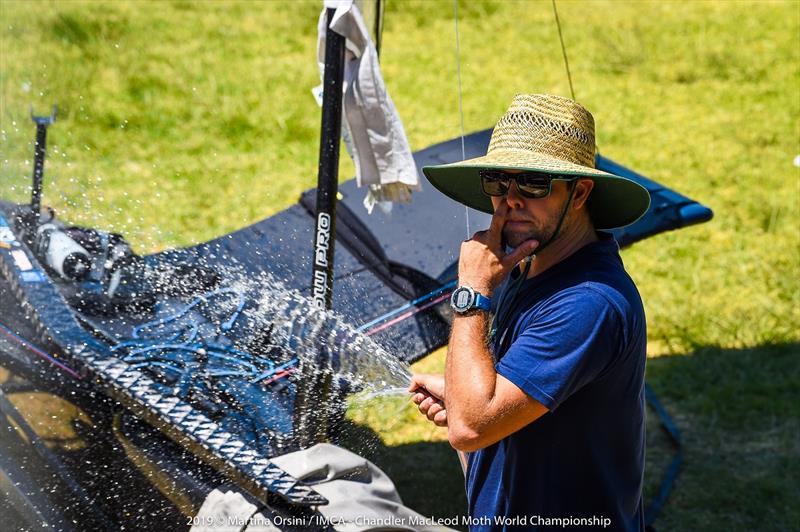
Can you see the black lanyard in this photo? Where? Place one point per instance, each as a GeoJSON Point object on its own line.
{"type": "Point", "coordinates": [506, 307]}
{"type": "Point", "coordinates": [506, 302]}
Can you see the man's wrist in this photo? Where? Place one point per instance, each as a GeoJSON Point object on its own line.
{"type": "Point", "coordinates": [466, 299]}
{"type": "Point", "coordinates": [485, 291]}
{"type": "Point", "coordinates": [475, 313]}
{"type": "Point", "coordinates": [481, 288]}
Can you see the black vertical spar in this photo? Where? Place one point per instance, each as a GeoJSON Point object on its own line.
{"type": "Point", "coordinates": [41, 122]}
{"type": "Point", "coordinates": [328, 174]}
{"type": "Point", "coordinates": [313, 405]}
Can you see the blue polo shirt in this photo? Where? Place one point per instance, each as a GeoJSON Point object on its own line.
{"type": "Point", "coordinates": [574, 339]}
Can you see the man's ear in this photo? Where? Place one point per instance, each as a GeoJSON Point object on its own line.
{"type": "Point", "coordinates": [582, 190]}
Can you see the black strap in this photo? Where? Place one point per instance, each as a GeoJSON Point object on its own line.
{"type": "Point", "coordinates": [572, 185]}
{"type": "Point", "coordinates": [408, 282]}
{"type": "Point", "coordinates": [497, 320]}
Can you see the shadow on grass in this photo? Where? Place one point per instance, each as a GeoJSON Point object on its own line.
{"type": "Point", "coordinates": [739, 414]}
{"type": "Point", "coordinates": [738, 411]}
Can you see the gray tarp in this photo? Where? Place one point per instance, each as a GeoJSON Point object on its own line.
{"type": "Point", "coordinates": [362, 497]}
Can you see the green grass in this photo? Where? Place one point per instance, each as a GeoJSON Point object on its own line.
{"type": "Point", "coordinates": [182, 121]}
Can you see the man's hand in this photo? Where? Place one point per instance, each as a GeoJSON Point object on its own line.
{"type": "Point", "coordinates": [483, 262]}
{"type": "Point", "coordinates": [428, 393]}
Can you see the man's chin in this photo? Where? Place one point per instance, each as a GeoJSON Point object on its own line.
{"type": "Point", "coordinates": [514, 239]}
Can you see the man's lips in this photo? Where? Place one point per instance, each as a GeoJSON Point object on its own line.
{"type": "Point", "coordinates": [517, 224]}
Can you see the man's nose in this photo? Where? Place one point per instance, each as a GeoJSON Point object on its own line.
{"type": "Point", "coordinates": [513, 197]}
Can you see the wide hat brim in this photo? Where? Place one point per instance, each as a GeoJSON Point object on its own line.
{"type": "Point", "coordinates": [614, 201]}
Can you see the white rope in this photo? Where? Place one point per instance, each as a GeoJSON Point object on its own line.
{"type": "Point", "coordinates": [460, 105]}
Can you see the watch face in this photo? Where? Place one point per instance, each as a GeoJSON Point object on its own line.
{"type": "Point", "coordinates": [462, 299]}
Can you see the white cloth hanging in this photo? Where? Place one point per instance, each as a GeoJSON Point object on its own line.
{"type": "Point", "coordinates": [372, 130]}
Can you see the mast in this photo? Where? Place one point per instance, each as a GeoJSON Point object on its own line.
{"type": "Point", "coordinates": [328, 172]}
{"type": "Point", "coordinates": [314, 391]}
{"type": "Point", "coordinates": [314, 406]}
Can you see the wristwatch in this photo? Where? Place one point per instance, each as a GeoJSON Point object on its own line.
{"type": "Point", "coordinates": [465, 299]}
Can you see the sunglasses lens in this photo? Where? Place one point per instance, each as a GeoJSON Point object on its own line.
{"type": "Point", "coordinates": [530, 185]}
{"type": "Point", "coordinates": [494, 183]}
{"type": "Point", "coordinates": [534, 186]}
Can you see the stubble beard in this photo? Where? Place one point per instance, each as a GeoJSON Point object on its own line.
{"type": "Point", "coordinates": [540, 230]}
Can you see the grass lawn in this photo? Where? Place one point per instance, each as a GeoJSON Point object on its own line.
{"type": "Point", "coordinates": [181, 121]}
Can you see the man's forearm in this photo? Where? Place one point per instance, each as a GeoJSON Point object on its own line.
{"type": "Point", "coordinates": [479, 412]}
{"type": "Point", "coordinates": [470, 378]}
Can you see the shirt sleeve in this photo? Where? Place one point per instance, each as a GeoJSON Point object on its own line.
{"type": "Point", "coordinates": [566, 345]}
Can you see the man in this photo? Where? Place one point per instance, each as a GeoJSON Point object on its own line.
{"type": "Point", "coordinates": [545, 393]}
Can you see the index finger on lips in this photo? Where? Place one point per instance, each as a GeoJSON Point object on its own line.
{"type": "Point", "coordinates": [498, 219]}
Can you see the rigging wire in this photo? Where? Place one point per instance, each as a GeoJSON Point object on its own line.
{"type": "Point", "coordinates": [391, 314]}
{"type": "Point", "coordinates": [11, 335]}
{"type": "Point", "coordinates": [563, 50]}
{"type": "Point", "coordinates": [460, 104]}
{"type": "Point", "coordinates": [408, 314]}
{"type": "Point", "coordinates": [669, 476]}
{"type": "Point", "coordinates": [566, 63]}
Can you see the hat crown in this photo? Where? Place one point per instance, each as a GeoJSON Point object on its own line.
{"type": "Point", "coordinates": [549, 125]}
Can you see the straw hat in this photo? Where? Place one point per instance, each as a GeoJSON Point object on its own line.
{"type": "Point", "coordinates": [542, 132]}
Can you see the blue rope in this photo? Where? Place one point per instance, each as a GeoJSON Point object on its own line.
{"type": "Point", "coordinates": [674, 468]}
{"type": "Point", "coordinates": [183, 350]}
{"type": "Point", "coordinates": [273, 371]}
{"type": "Point", "coordinates": [395, 312]}
{"type": "Point", "coordinates": [227, 325]}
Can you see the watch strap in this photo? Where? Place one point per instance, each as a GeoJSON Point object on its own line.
{"type": "Point", "coordinates": [482, 302]}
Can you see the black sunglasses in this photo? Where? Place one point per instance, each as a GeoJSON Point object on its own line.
{"type": "Point", "coordinates": [534, 185]}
